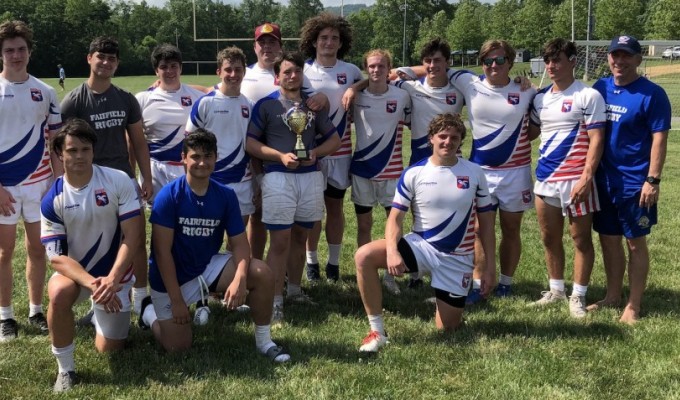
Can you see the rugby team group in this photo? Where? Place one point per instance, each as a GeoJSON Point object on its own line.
{"type": "Point", "coordinates": [269, 148]}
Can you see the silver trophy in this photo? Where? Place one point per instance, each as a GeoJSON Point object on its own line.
{"type": "Point", "coordinates": [297, 120]}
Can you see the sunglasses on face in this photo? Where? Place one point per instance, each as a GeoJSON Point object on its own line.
{"type": "Point", "coordinates": [499, 61]}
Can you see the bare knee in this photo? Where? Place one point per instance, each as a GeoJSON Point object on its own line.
{"type": "Point", "coordinates": [260, 274]}
{"type": "Point", "coordinates": [62, 293]}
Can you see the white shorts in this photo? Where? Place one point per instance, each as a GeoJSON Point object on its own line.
{"type": "Point", "coordinates": [289, 197]}
{"type": "Point", "coordinates": [557, 194]}
{"type": "Point", "coordinates": [451, 273]}
{"type": "Point", "coordinates": [510, 189]}
{"type": "Point", "coordinates": [111, 325]}
{"type": "Point", "coordinates": [244, 192]}
{"type": "Point", "coordinates": [336, 172]}
{"type": "Point", "coordinates": [28, 199]}
{"type": "Point", "coordinates": [192, 291]}
{"type": "Point", "coordinates": [369, 193]}
{"type": "Point", "coordinates": [162, 173]}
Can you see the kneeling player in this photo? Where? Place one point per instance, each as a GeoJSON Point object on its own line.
{"type": "Point", "coordinates": [84, 216]}
{"type": "Point", "coordinates": [446, 194]}
{"type": "Point", "coordinates": [189, 218]}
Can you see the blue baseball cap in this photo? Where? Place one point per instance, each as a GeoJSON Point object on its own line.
{"type": "Point", "coordinates": [626, 43]}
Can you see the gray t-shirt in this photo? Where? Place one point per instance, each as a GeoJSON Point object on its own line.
{"type": "Point", "coordinates": [109, 114]}
{"type": "Point", "coordinates": [267, 125]}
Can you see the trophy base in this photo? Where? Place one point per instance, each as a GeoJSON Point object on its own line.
{"type": "Point", "coordinates": [301, 154]}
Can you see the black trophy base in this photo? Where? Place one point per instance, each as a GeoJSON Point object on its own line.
{"type": "Point", "coordinates": [301, 154]}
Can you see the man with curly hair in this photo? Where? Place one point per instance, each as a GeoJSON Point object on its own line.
{"type": "Point", "coordinates": [325, 39]}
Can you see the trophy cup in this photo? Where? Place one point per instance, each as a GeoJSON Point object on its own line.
{"type": "Point", "coordinates": [297, 121]}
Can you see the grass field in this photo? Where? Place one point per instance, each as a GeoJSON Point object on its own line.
{"type": "Point", "coordinates": [507, 350]}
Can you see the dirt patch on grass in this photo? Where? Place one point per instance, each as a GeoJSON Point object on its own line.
{"type": "Point", "coordinates": [658, 70]}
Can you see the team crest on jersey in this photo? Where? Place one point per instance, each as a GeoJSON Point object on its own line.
{"type": "Point", "coordinates": [391, 106]}
{"type": "Point", "coordinates": [566, 106]}
{"type": "Point", "coordinates": [101, 197]}
{"type": "Point", "coordinates": [342, 79]}
{"type": "Point", "coordinates": [451, 98]}
{"type": "Point", "coordinates": [245, 112]}
{"type": "Point", "coordinates": [513, 98]}
{"type": "Point", "coordinates": [526, 196]}
{"type": "Point", "coordinates": [465, 283]}
{"type": "Point", "coordinates": [463, 182]}
{"type": "Point", "coordinates": [36, 95]}
{"type": "Point", "coordinates": [186, 101]}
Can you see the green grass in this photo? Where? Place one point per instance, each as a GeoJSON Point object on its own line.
{"type": "Point", "coordinates": [507, 350]}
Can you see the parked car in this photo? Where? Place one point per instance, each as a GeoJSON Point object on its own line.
{"type": "Point", "coordinates": [671, 52]}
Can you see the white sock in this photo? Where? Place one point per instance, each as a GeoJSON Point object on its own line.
{"type": "Point", "coordinates": [377, 324]}
{"type": "Point", "coordinates": [149, 316]}
{"type": "Point", "coordinates": [34, 309]}
{"type": "Point", "coordinates": [556, 284]}
{"type": "Point", "coordinates": [579, 290]}
{"type": "Point", "coordinates": [263, 338]}
{"type": "Point", "coordinates": [312, 257]}
{"type": "Point", "coordinates": [334, 253]}
{"type": "Point", "coordinates": [476, 283]}
{"type": "Point", "coordinates": [293, 290]}
{"type": "Point", "coordinates": [138, 294]}
{"type": "Point", "coordinates": [278, 301]}
{"type": "Point", "coordinates": [7, 312]}
{"type": "Point", "coordinates": [505, 280]}
{"type": "Point", "coordinates": [65, 358]}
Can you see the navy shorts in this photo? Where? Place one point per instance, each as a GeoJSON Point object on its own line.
{"type": "Point", "coordinates": [623, 216]}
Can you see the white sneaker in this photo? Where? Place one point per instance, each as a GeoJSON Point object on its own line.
{"type": "Point", "coordinates": [577, 306]}
{"type": "Point", "coordinates": [550, 297]}
{"type": "Point", "coordinates": [201, 316]}
{"type": "Point", "coordinates": [373, 342]}
{"type": "Point", "coordinates": [391, 284]}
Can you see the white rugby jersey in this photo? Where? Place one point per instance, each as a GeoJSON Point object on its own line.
{"type": "Point", "coordinates": [426, 103]}
{"type": "Point", "coordinates": [445, 200]}
{"type": "Point", "coordinates": [258, 83]}
{"type": "Point", "coordinates": [28, 111]}
{"type": "Point", "coordinates": [499, 118]}
{"type": "Point", "coordinates": [165, 115]}
{"type": "Point", "coordinates": [227, 117]}
{"type": "Point", "coordinates": [565, 118]}
{"type": "Point", "coordinates": [333, 81]}
{"type": "Point", "coordinates": [378, 121]}
{"type": "Point", "coordinates": [89, 218]}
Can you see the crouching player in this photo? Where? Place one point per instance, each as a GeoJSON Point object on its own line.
{"type": "Point", "coordinates": [89, 227]}
{"type": "Point", "coordinates": [189, 218]}
{"type": "Point", "coordinates": [446, 194]}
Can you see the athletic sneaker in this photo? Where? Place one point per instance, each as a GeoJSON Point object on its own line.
{"type": "Point", "coordinates": [391, 284]}
{"type": "Point", "coordinates": [503, 290]}
{"type": "Point", "coordinates": [415, 283]}
{"type": "Point", "coordinates": [86, 321]}
{"type": "Point", "coordinates": [474, 297]}
{"type": "Point", "coordinates": [549, 297]}
{"type": "Point", "coordinates": [8, 329]}
{"type": "Point", "coordinates": [373, 342]}
{"type": "Point", "coordinates": [332, 272]}
{"type": "Point", "coordinates": [301, 298]}
{"type": "Point", "coordinates": [146, 302]}
{"type": "Point", "coordinates": [201, 316]}
{"type": "Point", "coordinates": [277, 315]}
{"type": "Point", "coordinates": [577, 306]}
{"type": "Point", "coordinates": [39, 321]}
{"type": "Point", "coordinates": [65, 381]}
{"type": "Point", "coordinates": [313, 274]}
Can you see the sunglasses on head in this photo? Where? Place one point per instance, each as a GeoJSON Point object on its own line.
{"type": "Point", "coordinates": [499, 61]}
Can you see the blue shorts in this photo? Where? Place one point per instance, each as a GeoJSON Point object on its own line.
{"type": "Point", "coordinates": [623, 216]}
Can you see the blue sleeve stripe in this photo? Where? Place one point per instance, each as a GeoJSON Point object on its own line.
{"type": "Point", "coordinates": [52, 238]}
{"type": "Point", "coordinates": [129, 215]}
{"type": "Point", "coordinates": [399, 206]}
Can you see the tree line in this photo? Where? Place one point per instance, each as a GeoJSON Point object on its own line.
{"type": "Point", "coordinates": [64, 28]}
